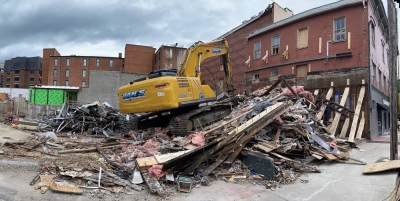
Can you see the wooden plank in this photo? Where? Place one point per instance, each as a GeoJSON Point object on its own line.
{"type": "Point", "coordinates": [65, 188]}
{"type": "Point", "coordinates": [146, 162]}
{"type": "Point", "coordinates": [331, 157]}
{"type": "Point", "coordinates": [266, 149]}
{"type": "Point", "coordinates": [323, 106]}
{"type": "Point", "coordinates": [278, 133]}
{"type": "Point", "coordinates": [161, 159]}
{"type": "Point", "coordinates": [361, 126]}
{"type": "Point", "coordinates": [356, 113]}
{"type": "Point", "coordinates": [227, 122]}
{"type": "Point", "coordinates": [336, 119]}
{"type": "Point", "coordinates": [153, 184]}
{"type": "Point", "coordinates": [316, 91]}
{"type": "Point", "coordinates": [381, 167]}
{"type": "Point", "coordinates": [345, 128]}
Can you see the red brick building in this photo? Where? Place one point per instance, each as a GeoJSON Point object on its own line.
{"type": "Point", "coordinates": [74, 70]}
{"type": "Point", "coordinates": [22, 72]}
{"type": "Point", "coordinates": [213, 75]}
{"type": "Point", "coordinates": [168, 57]}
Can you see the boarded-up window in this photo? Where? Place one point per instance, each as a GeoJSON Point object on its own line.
{"type": "Point", "coordinates": [302, 70]}
{"type": "Point", "coordinates": [302, 38]}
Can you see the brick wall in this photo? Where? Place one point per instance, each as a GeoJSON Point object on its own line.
{"type": "Point", "coordinates": [138, 58]}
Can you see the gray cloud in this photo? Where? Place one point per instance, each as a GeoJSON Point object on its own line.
{"type": "Point", "coordinates": [100, 27]}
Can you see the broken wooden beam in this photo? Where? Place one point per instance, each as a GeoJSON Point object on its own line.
{"type": "Point", "coordinates": [153, 184]}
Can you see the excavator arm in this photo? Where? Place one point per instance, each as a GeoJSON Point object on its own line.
{"type": "Point", "coordinates": [191, 61]}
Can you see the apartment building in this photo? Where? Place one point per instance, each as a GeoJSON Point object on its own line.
{"type": "Point", "coordinates": [168, 57]}
{"type": "Point", "coordinates": [22, 72]}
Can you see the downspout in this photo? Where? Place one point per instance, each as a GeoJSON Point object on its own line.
{"type": "Point", "coordinates": [327, 47]}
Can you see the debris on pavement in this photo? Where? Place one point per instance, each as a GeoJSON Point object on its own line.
{"type": "Point", "coordinates": [270, 139]}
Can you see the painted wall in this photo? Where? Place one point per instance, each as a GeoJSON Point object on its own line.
{"type": "Point", "coordinates": [16, 92]}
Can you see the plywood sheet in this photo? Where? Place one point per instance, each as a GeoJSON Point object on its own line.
{"type": "Point", "coordinates": [381, 167]}
{"type": "Point", "coordinates": [166, 157]}
{"type": "Point", "coordinates": [145, 163]}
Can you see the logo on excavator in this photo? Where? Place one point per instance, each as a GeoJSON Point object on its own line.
{"type": "Point", "coordinates": [134, 94]}
{"type": "Point", "coordinates": [216, 51]}
{"type": "Point", "coordinates": [201, 96]}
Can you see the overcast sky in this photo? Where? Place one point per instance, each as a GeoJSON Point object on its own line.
{"type": "Point", "coordinates": [103, 27]}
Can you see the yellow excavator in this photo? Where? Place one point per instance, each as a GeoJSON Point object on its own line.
{"type": "Point", "coordinates": [172, 97]}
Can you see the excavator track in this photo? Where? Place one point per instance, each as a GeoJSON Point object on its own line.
{"type": "Point", "coordinates": [182, 124]}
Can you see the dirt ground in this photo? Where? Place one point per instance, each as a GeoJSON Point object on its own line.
{"type": "Point", "coordinates": [9, 134]}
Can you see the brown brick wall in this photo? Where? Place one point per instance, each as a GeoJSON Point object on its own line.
{"type": "Point", "coordinates": [168, 57]}
{"type": "Point", "coordinates": [318, 26]}
{"type": "Point", "coordinates": [47, 53]}
{"type": "Point", "coordinates": [211, 73]}
{"type": "Point", "coordinates": [76, 68]}
{"type": "Point", "coordinates": [23, 78]}
{"type": "Point", "coordinates": [138, 59]}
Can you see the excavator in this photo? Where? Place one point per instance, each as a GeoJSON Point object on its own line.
{"type": "Point", "coordinates": [176, 97]}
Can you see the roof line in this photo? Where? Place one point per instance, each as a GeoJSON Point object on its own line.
{"type": "Point", "coordinates": [306, 14]}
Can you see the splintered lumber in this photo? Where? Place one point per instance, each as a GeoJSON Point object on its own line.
{"type": "Point", "coordinates": [356, 113]}
{"type": "Point", "coordinates": [323, 106]}
{"type": "Point", "coordinates": [345, 127]}
{"type": "Point", "coordinates": [278, 133]}
{"type": "Point", "coordinates": [271, 88]}
{"type": "Point", "coordinates": [65, 188]}
{"type": "Point", "coordinates": [336, 119]}
{"type": "Point", "coordinates": [124, 182]}
{"type": "Point", "coordinates": [227, 122]}
{"type": "Point", "coordinates": [115, 164]}
{"type": "Point", "coordinates": [361, 126]}
{"type": "Point", "coordinates": [153, 184]}
{"type": "Point", "coordinates": [146, 162]}
{"type": "Point", "coordinates": [316, 91]}
{"type": "Point", "coordinates": [381, 167]}
{"type": "Point", "coordinates": [264, 118]}
{"type": "Point", "coordinates": [178, 161]}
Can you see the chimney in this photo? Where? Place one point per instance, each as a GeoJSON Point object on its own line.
{"type": "Point", "coordinates": [120, 55]}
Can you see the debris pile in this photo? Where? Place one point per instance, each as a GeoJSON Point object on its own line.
{"type": "Point", "coordinates": [97, 118]}
{"type": "Point", "coordinates": [270, 138]}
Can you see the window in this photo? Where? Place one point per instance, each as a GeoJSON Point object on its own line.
{"type": "Point", "coordinates": [16, 72]}
{"type": "Point", "coordinates": [387, 56]}
{"type": "Point", "coordinates": [40, 72]}
{"type": "Point", "coordinates": [84, 62]}
{"type": "Point", "coordinates": [32, 72]}
{"type": "Point", "coordinates": [373, 74]}
{"type": "Point", "coordinates": [83, 73]}
{"type": "Point", "coordinates": [40, 80]}
{"type": "Point", "coordinates": [54, 82]}
{"type": "Point", "coordinates": [55, 61]}
{"type": "Point", "coordinates": [275, 44]}
{"type": "Point", "coordinates": [384, 83]}
{"type": "Point", "coordinates": [273, 73]}
{"type": "Point", "coordinates": [383, 51]}
{"type": "Point", "coordinates": [32, 79]}
{"type": "Point", "coordinates": [66, 83]}
{"type": "Point", "coordinates": [373, 34]}
{"type": "Point", "coordinates": [256, 76]}
{"type": "Point", "coordinates": [16, 85]}
{"type": "Point", "coordinates": [16, 79]}
{"type": "Point", "coordinates": [67, 73]}
{"type": "Point", "coordinates": [8, 79]}
{"type": "Point", "coordinates": [55, 72]}
{"type": "Point", "coordinates": [257, 50]}
{"type": "Point", "coordinates": [67, 61]}
{"type": "Point", "coordinates": [97, 62]}
{"type": "Point", "coordinates": [339, 29]}
{"type": "Point", "coordinates": [380, 79]}
{"type": "Point", "coordinates": [83, 83]}
{"type": "Point", "coordinates": [302, 38]}
{"type": "Point", "coordinates": [111, 62]}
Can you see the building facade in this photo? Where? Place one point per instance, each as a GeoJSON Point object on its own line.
{"type": "Point", "coordinates": [1, 75]}
{"type": "Point", "coordinates": [344, 40]}
{"type": "Point", "coordinates": [168, 57]}
{"type": "Point", "coordinates": [213, 75]}
{"type": "Point", "coordinates": [22, 72]}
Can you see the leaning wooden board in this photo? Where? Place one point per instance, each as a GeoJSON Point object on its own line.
{"type": "Point", "coordinates": [382, 166]}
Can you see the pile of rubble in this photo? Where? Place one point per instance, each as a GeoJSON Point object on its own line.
{"type": "Point", "coordinates": [270, 138]}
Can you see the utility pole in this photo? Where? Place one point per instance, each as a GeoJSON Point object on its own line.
{"type": "Point", "coordinates": [392, 62]}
